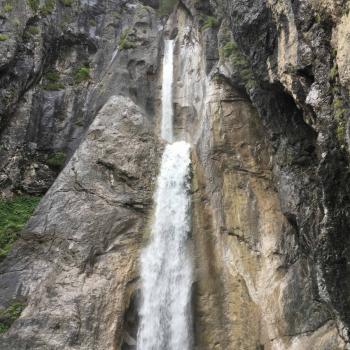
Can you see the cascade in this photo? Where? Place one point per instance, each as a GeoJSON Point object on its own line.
{"type": "Point", "coordinates": [166, 266]}
{"type": "Point", "coordinates": [167, 95]}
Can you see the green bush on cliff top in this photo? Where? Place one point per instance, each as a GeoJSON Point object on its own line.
{"type": "Point", "coordinates": [14, 213]}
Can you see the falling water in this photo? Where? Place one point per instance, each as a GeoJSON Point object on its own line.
{"type": "Point", "coordinates": [166, 266]}
{"type": "Point", "coordinates": [167, 93]}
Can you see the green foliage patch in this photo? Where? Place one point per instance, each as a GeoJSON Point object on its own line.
{"type": "Point", "coordinates": [210, 22]}
{"type": "Point", "coordinates": [166, 7]}
{"type": "Point", "coordinates": [125, 41]}
{"type": "Point", "coordinates": [82, 74]}
{"type": "Point", "coordinates": [52, 77]}
{"type": "Point", "coordinates": [67, 3]}
{"type": "Point", "coordinates": [10, 315]}
{"type": "Point", "coordinates": [47, 8]}
{"type": "Point", "coordinates": [240, 63]}
{"type": "Point", "coordinates": [14, 213]}
{"type": "Point", "coordinates": [4, 37]}
{"type": "Point", "coordinates": [34, 5]}
{"type": "Point", "coordinates": [8, 7]}
{"type": "Point", "coordinates": [56, 160]}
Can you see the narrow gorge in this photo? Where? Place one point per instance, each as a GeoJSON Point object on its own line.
{"type": "Point", "coordinates": [174, 175]}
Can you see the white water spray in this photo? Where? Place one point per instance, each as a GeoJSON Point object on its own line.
{"type": "Point", "coordinates": [166, 264]}
{"type": "Point", "coordinates": [166, 268]}
{"type": "Point", "coordinates": [167, 92]}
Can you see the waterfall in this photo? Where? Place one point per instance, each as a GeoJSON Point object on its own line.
{"type": "Point", "coordinates": [166, 265]}
{"type": "Point", "coordinates": [167, 92]}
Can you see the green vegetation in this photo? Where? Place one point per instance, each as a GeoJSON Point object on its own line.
{"type": "Point", "coordinates": [92, 22]}
{"type": "Point", "coordinates": [67, 3]}
{"type": "Point", "coordinates": [34, 5]}
{"type": "Point", "coordinates": [210, 22]}
{"type": "Point", "coordinates": [8, 7]}
{"type": "Point", "coordinates": [14, 213]}
{"type": "Point", "coordinates": [33, 30]}
{"type": "Point", "coordinates": [53, 86]}
{"type": "Point", "coordinates": [47, 8]}
{"type": "Point", "coordinates": [125, 41]}
{"type": "Point", "coordinates": [4, 37]}
{"type": "Point", "coordinates": [52, 77]}
{"type": "Point", "coordinates": [56, 160]}
{"type": "Point", "coordinates": [333, 73]}
{"type": "Point", "coordinates": [82, 74]}
{"type": "Point", "coordinates": [240, 63]}
{"type": "Point", "coordinates": [10, 315]}
{"type": "Point", "coordinates": [166, 7]}
{"type": "Point", "coordinates": [228, 49]}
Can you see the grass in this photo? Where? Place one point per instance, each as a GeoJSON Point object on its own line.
{"type": "Point", "coordinates": [4, 37]}
{"type": "Point", "coordinates": [228, 49]}
{"type": "Point", "coordinates": [53, 86]}
{"type": "Point", "coordinates": [56, 160]}
{"type": "Point", "coordinates": [166, 7]}
{"type": "Point", "coordinates": [125, 43]}
{"type": "Point", "coordinates": [34, 5]}
{"type": "Point", "coordinates": [67, 3]}
{"type": "Point", "coordinates": [14, 213]}
{"type": "Point", "coordinates": [52, 76]}
{"type": "Point", "coordinates": [210, 22]}
{"type": "Point", "coordinates": [10, 315]}
{"type": "Point", "coordinates": [8, 7]}
{"type": "Point", "coordinates": [82, 74]}
{"type": "Point", "coordinates": [47, 8]}
{"type": "Point", "coordinates": [240, 63]}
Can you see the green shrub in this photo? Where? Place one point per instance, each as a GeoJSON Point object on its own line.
{"type": "Point", "coordinates": [14, 213]}
{"type": "Point", "coordinates": [8, 7]}
{"type": "Point", "coordinates": [52, 76]}
{"type": "Point", "coordinates": [82, 74]}
{"type": "Point", "coordinates": [210, 22]}
{"type": "Point", "coordinates": [228, 49]}
{"type": "Point", "coordinates": [34, 5]}
{"type": "Point", "coordinates": [56, 160]}
{"type": "Point", "coordinates": [4, 37]}
{"type": "Point", "coordinates": [53, 86]}
{"type": "Point", "coordinates": [166, 7]}
{"type": "Point", "coordinates": [47, 8]}
{"type": "Point", "coordinates": [333, 72]}
{"type": "Point", "coordinates": [125, 42]}
{"type": "Point", "coordinates": [239, 62]}
{"type": "Point", "coordinates": [67, 3]}
{"type": "Point", "coordinates": [10, 315]}
{"type": "Point", "coordinates": [33, 30]}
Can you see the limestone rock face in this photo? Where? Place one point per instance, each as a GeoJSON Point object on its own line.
{"type": "Point", "coordinates": [60, 65]}
{"type": "Point", "coordinates": [261, 91]}
{"type": "Point", "coordinates": [76, 264]}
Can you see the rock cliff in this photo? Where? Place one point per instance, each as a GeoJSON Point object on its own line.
{"type": "Point", "coordinates": [260, 91]}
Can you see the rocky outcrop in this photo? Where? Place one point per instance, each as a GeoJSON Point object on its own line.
{"type": "Point", "coordinates": [76, 264]}
{"type": "Point", "coordinates": [60, 63]}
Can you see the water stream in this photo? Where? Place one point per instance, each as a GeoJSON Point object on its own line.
{"type": "Point", "coordinates": [166, 265]}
